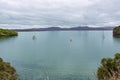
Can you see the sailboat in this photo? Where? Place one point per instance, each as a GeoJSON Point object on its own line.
{"type": "Point", "coordinates": [70, 40]}
{"type": "Point", "coordinates": [34, 37]}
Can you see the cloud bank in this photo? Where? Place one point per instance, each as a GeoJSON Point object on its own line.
{"type": "Point", "coordinates": [44, 13]}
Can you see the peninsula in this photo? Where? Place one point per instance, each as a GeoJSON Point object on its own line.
{"type": "Point", "coordinates": [116, 32]}
{"type": "Point", "coordinates": [7, 33]}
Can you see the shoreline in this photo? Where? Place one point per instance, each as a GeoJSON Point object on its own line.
{"type": "Point", "coordinates": [30, 30]}
{"type": "Point", "coordinates": [54, 30]}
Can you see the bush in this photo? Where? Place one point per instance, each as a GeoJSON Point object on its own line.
{"type": "Point", "coordinates": [109, 69]}
{"type": "Point", "coordinates": [7, 72]}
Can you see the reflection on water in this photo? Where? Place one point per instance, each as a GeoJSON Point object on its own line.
{"type": "Point", "coordinates": [58, 55]}
{"type": "Point", "coordinates": [116, 40]}
{"type": "Point", "coordinates": [8, 38]}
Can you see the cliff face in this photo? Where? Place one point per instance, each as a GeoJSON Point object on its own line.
{"type": "Point", "coordinates": [116, 31]}
{"type": "Point", "coordinates": [7, 72]}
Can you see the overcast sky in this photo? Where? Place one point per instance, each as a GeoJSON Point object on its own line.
{"type": "Point", "coordinates": [43, 13]}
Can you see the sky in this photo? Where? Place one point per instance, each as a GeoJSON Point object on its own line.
{"type": "Point", "coordinates": [61, 13]}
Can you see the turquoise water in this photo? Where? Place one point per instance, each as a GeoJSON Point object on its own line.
{"type": "Point", "coordinates": [58, 55]}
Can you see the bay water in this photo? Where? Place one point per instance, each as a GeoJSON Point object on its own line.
{"type": "Point", "coordinates": [58, 55]}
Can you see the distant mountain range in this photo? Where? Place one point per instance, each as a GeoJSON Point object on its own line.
{"type": "Point", "coordinates": [65, 29]}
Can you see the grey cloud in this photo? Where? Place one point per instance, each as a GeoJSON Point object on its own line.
{"type": "Point", "coordinates": [60, 12]}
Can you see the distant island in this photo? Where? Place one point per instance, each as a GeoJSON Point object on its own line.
{"type": "Point", "coordinates": [65, 29]}
{"type": "Point", "coordinates": [7, 33]}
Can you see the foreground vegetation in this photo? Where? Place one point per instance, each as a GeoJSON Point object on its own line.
{"type": "Point", "coordinates": [7, 72]}
{"type": "Point", "coordinates": [7, 33]}
{"type": "Point", "coordinates": [109, 69]}
{"type": "Point", "coordinates": [116, 31]}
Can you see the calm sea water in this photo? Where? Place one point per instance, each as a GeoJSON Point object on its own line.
{"type": "Point", "coordinates": [58, 55]}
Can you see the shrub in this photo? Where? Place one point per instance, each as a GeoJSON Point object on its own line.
{"type": "Point", "coordinates": [7, 72]}
{"type": "Point", "coordinates": [109, 69]}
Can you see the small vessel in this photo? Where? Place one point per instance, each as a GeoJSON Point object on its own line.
{"type": "Point", "coordinates": [34, 37]}
{"type": "Point", "coordinates": [70, 40]}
